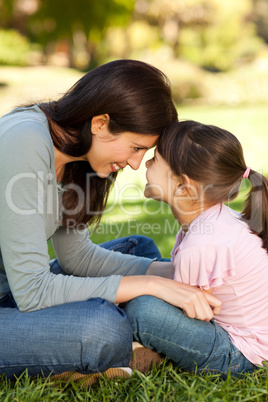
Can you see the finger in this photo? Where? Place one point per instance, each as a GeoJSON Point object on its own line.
{"type": "Point", "coordinates": [203, 309]}
{"type": "Point", "coordinates": [196, 306]}
{"type": "Point", "coordinates": [214, 302]}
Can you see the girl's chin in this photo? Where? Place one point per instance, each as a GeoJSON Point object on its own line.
{"type": "Point", "coordinates": [147, 192]}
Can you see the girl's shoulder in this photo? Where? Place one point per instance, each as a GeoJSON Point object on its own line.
{"type": "Point", "coordinates": [217, 225]}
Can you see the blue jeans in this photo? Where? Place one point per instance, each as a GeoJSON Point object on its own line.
{"type": "Point", "coordinates": [190, 344]}
{"type": "Point", "coordinates": [89, 336]}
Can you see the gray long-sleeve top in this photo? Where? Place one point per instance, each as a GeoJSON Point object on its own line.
{"type": "Point", "coordinates": [29, 217]}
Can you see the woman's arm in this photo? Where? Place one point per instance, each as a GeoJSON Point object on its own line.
{"type": "Point", "coordinates": [161, 268]}
{"type": "Point", "coordinates": [195, 302]}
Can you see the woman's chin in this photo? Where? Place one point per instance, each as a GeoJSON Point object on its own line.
{"type": "Point", "coordinates": [103, 175]}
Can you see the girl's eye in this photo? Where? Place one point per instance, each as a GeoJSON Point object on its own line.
{"type": "Point", "coordinates": [136, 149]}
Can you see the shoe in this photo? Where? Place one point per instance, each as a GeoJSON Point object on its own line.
{"type": "Point", "coordinates": [143, 359]}
{"type": "Point", "coordinates": [89, 379]}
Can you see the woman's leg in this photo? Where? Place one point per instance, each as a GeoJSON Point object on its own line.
{"type": "Point", "coordinates": [141, 246]}
{"type": "Point", "coordinates": [88, 337]}
{"type": "Point", "coordinates": [189, 343]}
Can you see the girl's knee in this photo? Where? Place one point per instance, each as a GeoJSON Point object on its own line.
{"type": "Point", "coordinates": [143, 309]}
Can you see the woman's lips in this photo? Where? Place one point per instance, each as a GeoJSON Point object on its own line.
{"type": "Point", "coordinates": [115, 167]}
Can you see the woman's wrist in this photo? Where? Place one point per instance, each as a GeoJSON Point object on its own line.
{"type": "Point", "coordinates": [164, 269]}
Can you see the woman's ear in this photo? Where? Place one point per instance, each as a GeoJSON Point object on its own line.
{"type": "Point", "coordinates": [99, 122]}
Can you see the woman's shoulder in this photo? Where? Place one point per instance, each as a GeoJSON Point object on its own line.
{"type": "Point", "coordinates": [25, 128]}
{"type": "Point", "coordinates": [25, 137]}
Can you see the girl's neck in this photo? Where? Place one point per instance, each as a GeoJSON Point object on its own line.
{"type": "Point", "coordinates": [187, 213]}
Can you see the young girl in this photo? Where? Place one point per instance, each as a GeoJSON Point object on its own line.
{"type": "Point", "coordinates": [197, 169]}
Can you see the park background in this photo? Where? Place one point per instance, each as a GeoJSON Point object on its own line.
{"type": "Point", "coordinates": [215, 54]}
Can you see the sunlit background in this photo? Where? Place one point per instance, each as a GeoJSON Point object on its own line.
{"type": "Point", "coordinates": [214, 52]}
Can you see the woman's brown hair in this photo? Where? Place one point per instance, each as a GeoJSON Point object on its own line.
{"type": "Point", "coordinates": [137, 98]}
{"type": "Point", "coordinates": [214, 158]}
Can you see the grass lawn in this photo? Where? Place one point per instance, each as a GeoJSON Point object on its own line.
{"type": "Point", "coordinates": [129, 213]}
{"type": "Point", "coordinates": [163, 383]}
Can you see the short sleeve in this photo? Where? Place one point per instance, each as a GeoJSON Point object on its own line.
{"type": "Point", "coordinates": [178, 241]}
{"type": "Point", "coordinates": [205, 266]}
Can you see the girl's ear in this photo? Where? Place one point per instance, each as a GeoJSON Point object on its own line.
{"type": "Point", "coordinates": [100, 122]}
{"type": "Point", "coordinates": [182, 186]}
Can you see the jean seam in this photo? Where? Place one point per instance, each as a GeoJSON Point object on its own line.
{"type": "Point", "coordinates": [196, 352]}
{"type": "Point", "coordinates": [164, 341]}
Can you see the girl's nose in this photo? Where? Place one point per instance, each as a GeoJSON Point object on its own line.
{"type": "Point", "coordinates": [147, 163]}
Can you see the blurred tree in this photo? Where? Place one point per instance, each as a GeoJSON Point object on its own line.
{"type": "Point", "coordinates": [77, 27]}
{"type": "Point", "coordinates": [82, 24]}
{"type": "Point", "coordinates": [211, 33]}
{"type": "Point", "coordinates": [260, 9]}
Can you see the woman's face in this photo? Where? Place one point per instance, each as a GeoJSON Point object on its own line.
{"type": "Point", "coordinates": [109, 152]}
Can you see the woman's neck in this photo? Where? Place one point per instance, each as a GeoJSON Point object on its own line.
{"type": "Point", "coordinates": [61, 160]}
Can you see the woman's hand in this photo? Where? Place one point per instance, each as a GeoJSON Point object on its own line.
{"type": "Point", "coordinates": [195, 302]}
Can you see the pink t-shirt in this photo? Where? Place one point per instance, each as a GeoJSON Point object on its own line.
{"type": "Point", "coordinates": [219, 251]}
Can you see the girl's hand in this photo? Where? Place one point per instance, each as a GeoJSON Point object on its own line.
{"type": "Point", "coordinates": [195, 302]}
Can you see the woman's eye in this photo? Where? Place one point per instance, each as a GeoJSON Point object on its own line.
{"type": "Point", "coordinates": [136, 149]}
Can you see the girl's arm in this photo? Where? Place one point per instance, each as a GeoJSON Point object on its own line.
{"type": "Point", "coordinates": [195, 302]}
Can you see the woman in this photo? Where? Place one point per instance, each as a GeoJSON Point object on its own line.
{"type": "Point", "coordinates": [63, 318]}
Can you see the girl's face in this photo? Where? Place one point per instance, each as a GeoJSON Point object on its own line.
{"type": "Point", "coordinates": [161, 181]}
{"type": "Point", "coordinates": [109, 152]}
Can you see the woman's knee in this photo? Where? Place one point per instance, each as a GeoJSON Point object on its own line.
{"type": "Point", "coordinates": [106, 320]}
{"type": "Point", "coordinates": [106, 338]}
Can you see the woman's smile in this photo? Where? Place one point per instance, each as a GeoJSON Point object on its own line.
{"type": "Point", "coordinates": [115, 167]}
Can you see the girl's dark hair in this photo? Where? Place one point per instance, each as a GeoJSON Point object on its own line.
{"type": "Point", "coordinates": [137, 97]}
{"type": "Point", "coordinates": [214, 157]}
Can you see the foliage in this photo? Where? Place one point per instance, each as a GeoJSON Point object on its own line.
{"type": "Point", "coordinates": [81, 26]}
{"type": "Point", "coordinates": [76, 28]}
{"type": "Point", "coordinates": [15, 48]}
{"type": "Point", "coordinates": [213, 34]}
{"type": "Point", "coordinates": [216, 35]}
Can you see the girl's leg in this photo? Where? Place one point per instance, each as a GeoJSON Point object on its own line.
{"type": "Point", "coordinates": [87, 337]}
{"type": "Point", "coordinates": [189, 343]}
{"type": "Point", "coordinates": [141, 246]}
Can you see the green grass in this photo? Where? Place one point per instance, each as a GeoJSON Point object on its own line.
{"type": "Point", "coordinates": [162, 383]}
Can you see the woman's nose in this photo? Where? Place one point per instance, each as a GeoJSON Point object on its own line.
{"type": "Point", "coordinates": [135, 161]}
